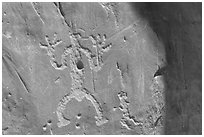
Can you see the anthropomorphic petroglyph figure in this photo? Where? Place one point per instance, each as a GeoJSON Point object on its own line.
{"type": "Point", "coordinates": [78, 91]}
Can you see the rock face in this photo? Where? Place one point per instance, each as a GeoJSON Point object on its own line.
{"type": "Point", "coordinates": [179, 26]}
{"type": "Point", "coordinates": [101, 68]}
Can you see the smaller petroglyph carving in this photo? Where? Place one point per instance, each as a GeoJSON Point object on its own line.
{"type": "Point", "coordinates": [127, 119]}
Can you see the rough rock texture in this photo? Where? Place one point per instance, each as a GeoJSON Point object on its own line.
{"type": "Point", "coordinates": [179, 26]}
{"type": "Point", "coordinates": [101, 68]}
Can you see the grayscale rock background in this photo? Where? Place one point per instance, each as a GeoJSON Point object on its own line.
{"type": "Point", "coordinates": [101, 68]}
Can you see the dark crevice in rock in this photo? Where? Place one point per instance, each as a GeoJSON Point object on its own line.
{"type": "Point", "coordinates": [60, 9]}
{"type": "Point", "coordinates": [62, 13]}
{"type": "Point", "coordinates": [8, 57]}
{"type": "Point", "coordinates": [23, 82]}
{"type": "Point", "coordinates": [6, 128]}
{"type": "Point", "coordinates": [160, 71]}
{"type": "Point", "coordinates": [49, 121]}
{"type": "Point", "coordinates": [117, 65]}
{"type": "Point", "coordinates": [80, 64]}
{"type": "Point", "coordinates": [157, 121]}
{"type": "Point", "coordinates": [171, 24]}
{"type": "Point", "coordinates": [56, 4]}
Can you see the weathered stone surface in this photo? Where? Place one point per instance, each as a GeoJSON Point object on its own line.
{"type": "Point", "coordinates": [101, 68]}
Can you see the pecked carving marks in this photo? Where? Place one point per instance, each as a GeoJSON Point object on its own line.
{"type": "Point", "coordinates": [50, 47]}
{"type": "Point", "coordinates": [98, 43]}
{"type": "Point", "coordinates": [127, 120]}
{"type": "Point", "coordinates": [77, 90]}
{"type": "Point", "coordinates": [100, 46]}
{"type": "Point", "coordinates": [77, 71]}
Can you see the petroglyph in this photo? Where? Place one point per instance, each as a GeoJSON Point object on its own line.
{"type": "Point", "coordinates": [105, 68]}
{"type": "Point", "coordinates": [127, 119]}
{"type": "Point", "coordinates": [77, 91]}
{"type": "Point", "coordinates": [50, 47]}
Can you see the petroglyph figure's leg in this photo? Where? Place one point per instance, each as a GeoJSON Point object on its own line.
{"type": "Point", "coordinates": [62, 121]}
{"type": "Point", "coordinates": [100, 120]}
{"type": "Point", "coordinates": [79, 96]}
